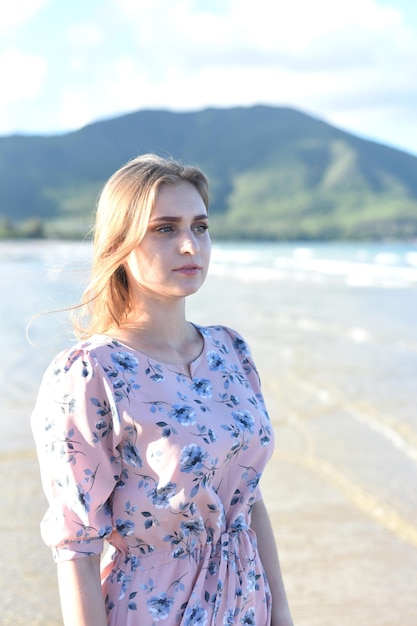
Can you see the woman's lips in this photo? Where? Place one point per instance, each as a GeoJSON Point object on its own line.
{"type": "Point", "coordinates": [189, 270]}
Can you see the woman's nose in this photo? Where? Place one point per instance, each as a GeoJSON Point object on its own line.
{"type": "Point", "coordinates": [189, 244]}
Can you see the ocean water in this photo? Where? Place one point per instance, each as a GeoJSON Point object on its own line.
{"type": "Point", "coordinates": [339, 299]}
{"type": "Point", "coordinates": [333, 331]}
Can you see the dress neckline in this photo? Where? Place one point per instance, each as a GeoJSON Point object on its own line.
{"type": "Point", "coordinates": [187, 367]}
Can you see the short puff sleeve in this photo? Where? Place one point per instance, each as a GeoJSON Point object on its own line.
{"type": "Point", "coordinates": [76, 428]}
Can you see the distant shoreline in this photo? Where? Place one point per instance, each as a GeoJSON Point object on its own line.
{"type": "Point", "coordinates": [275, 173]}
{"type": "Point", "coordinates": [238, 238]}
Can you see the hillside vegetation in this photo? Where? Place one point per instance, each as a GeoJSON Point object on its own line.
{"type": "Point", "coordinates": [275, 173]}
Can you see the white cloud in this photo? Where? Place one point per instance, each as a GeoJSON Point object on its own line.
{"type": "Point", "coordinates": [21, 75]}
{"type": "Point", "coordinates": [309, 54]}
{"type": "Point", "coordinates": [300, 30]}
{"type": "Point", "coordinates": [85, 35]}
{"type": "Point", "coordinates": [350, 62]}
{"type": "Point", "coordinates": [115, 88]}
{"type": "Point", "coordinates": [13, 14]}
{"type": "Point", "coordinates": [75, 110]}
{"type": "Point", "coordinates": [356, 43]}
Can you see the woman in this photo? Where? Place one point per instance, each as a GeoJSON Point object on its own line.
{"type": "Point", "coordinates": [152, 433]}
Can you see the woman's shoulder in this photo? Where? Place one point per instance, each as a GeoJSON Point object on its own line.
{"type": "Point", "coordinates": [225, 334]}
{"type": "Point", "coordinates": [92, 351]}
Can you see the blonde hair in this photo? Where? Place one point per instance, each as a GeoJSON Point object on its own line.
{"type": "Point", "coordinates": [122, 217]}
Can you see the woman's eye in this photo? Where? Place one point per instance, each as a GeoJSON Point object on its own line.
{"type": "Point", "coordinates": [200, 228]}
{"type": "Point", "coordinates": [165, 229]}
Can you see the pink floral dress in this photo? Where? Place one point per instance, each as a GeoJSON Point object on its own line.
{"type": "Point", "coordinates": [163, 464]}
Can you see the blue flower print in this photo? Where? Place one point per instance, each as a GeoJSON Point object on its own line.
{"type": "Point", "coordinates": [125, 362]}
{"type": "Point", "coordinates": [232, 400]}
{"type": "Point", "coordinates": [229, 618]}
{"type": "Point", "coordinates": [252, 580]}
{"type": "Point", "coordinates": [160, 606]}
{"type": "Point", "coordinates": [244, 420]}
{"type": "Point", "coordinates": [124, 580]}
{"type": "Point", "coordinates": [154, 372]}
{"type": "Point", "coordinates": [168, 462]}
{"type": "Point", "coordinates": [215, 361]}
{"type": "Point", "coordinates": [125, 527]}
{"type": "Point", "coordinates": [207, 434]}
{"type": "Point", "coordinates": [131, 455]}
{"type": "Point", "coordinates": [203, 387]}
{"type": "Point", "coordinates": [195, 616]}
{"type": "Point", "coordinates": [122, 372]}
{"type": "Point", "coordinates": [192, 527]}
{"type": "Point", "coordinates": [105, 531]}
{"type": "Point", "coordinates": [249, 618]}
{"type": "Point", "coordinates": [83, 498]}
{"type": "Point", "coordinates": [183, 414]}
{"type": "Point", "coordinates": [160, 496]}
{"type": "Point", "coordinates": [132, 606]}
{"type": "Point", "coordinates": [239, 524]}
{"type": "Point", "coordinates": [265, 434]}
{"type": "Point", "coordinates": [252, 483]}
{"type": "Point", "coordinates": [192, 458]}
{"type": "Point", "coordinates": [240, 346]}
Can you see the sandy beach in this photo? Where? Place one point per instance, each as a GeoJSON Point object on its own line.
{"type": "Point", "coordinates": [341, 566]}
{"type": "Point", "coordinates": [341, 486]}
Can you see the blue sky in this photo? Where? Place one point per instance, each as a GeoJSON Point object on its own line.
{"type": "Point", "coordinates": [351, 63]}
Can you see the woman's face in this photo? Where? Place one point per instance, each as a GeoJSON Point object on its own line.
{"type": "Point", "coordinates": [172, 259]}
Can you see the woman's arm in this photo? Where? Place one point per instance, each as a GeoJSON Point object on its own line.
{"type": "Point", "coordinates": [82, 600]}
{"type": "Point", "coordinates": [261, 524]}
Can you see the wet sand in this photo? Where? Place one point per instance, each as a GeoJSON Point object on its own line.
{"type": "Point", "coordinates": [28, 588]}
{"type": "Point", "coordinates": [340, 565]}
{"type": "Point", "coordinates": [347, 557]}
{"type": "Point", "coordinates": [340, 492]}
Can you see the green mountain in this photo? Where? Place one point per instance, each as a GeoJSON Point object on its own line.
{"type": "Point", "coordinates": [275, 173]}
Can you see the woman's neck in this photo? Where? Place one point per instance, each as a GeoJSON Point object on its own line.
{"type": "Point", "coordinates": [162, 333]}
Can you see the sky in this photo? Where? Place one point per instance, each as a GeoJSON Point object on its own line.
{"type": "Point", "coordinates": [352, 63]}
